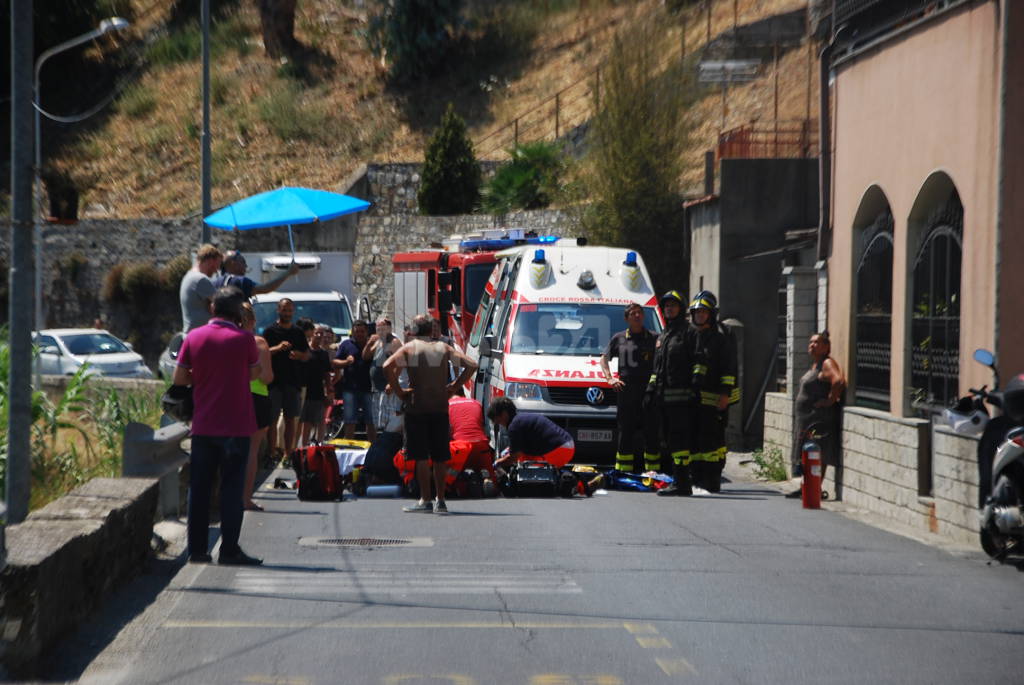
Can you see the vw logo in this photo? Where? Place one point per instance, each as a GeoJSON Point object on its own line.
{"type": "Point", "coordinates": [595, 395]}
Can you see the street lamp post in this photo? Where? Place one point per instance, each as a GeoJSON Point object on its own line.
{"type": "Point", "coordinates": [106, 26]}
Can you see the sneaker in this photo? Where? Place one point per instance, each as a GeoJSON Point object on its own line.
{"type": "Point", "coordinates": [675, 491]}
{"type": "Point", "coordinates": [199, 558]}
{"type": "Point", "coordinates": [238, 558]}
{"type": "Point", "coordinates": [419, 508]}
{"type": "Point", "coordinates": [699, 491]}
{"type": "Point", "coordinates": [440, 508]}
{"type": "Point", "coordinates": [796, 494]}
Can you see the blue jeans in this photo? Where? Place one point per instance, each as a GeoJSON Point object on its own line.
{"type": "Point", "coordinates": [209, 453]}
{"type": "Point", "coordinates": [356, 404]}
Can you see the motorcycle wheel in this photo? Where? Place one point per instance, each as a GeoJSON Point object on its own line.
{"type": "Point", "coordinates": [994, 544]}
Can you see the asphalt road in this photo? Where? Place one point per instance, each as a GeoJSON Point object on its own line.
{"type": "Point", "coordinates": [743, 587]}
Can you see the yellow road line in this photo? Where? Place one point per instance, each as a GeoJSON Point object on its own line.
{"type": "Point", "coordinates": [276, 680]}
{"type": "Point", "coordinates": [678, 666]}
{"type": "Point", "coordinates": [402, 625]}
{"type": "Point", "coordinates": [640, 628]}
{"type": "Point", "coordinates": [453, 678]}
{"type": "Point", "coordinates": [653, 642]}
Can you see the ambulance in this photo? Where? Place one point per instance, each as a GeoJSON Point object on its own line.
{"type": "Point", "coordinates": [446, 282]}
{"type": "Point", "coordinates": [543, 322]}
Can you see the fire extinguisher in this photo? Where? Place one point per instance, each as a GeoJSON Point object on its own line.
{"type": "Point", "coordinates": [811, 487]}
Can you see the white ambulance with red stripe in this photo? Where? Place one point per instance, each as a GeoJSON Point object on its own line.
{"type": "Point", "coordinates": [543, 322]}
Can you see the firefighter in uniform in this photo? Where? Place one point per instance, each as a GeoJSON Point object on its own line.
{"type": "Point", "coordinates": [634, 348]}
{"type": "Point", "coordinates": [669, 392]}
{"type": "Point", "coordinates": [714, 386]}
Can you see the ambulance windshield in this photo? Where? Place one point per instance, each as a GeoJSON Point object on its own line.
{"type": "Point", "coordinates": [571, 329]}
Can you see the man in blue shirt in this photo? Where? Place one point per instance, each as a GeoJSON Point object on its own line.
{"type": "Point", "coordinates": [355, 383]}
{"type": "Point", "coordinates": [531, 436]}
{"type": "Point", "coordinates": [233, 273]}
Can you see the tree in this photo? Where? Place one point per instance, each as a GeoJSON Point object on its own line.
{"type": "Point", "coordinates": [451, 174]}
{"type": "Point", "coordinates": [635, 160]}
{"type": "Point", "coordinates": [529, 180]}
{"type": "Point", "coordinates": [413, 36]}
{"type": "Point", "coordinates": [277, 21]}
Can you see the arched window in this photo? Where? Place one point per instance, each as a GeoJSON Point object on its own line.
{"type": "Point", "coordinates": [873, 320]}
{"type": "Point", "coordinates": [935, 315]}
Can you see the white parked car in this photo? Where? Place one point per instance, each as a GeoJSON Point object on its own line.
{"type": "Point", "coordinates": [62, 351]}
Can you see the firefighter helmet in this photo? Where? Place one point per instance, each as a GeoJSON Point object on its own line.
{"type": "Point", "coordinates": [672, 295]}
{"type": "Point", "coordinates": [705, 299]}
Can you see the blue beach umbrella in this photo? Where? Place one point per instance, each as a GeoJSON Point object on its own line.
{"type": "Point", "coordinates": [285, 207]}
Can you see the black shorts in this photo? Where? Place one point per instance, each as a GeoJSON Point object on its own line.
{"type": "Point", "coordinates": [426, 437]}
{"type": "Point", "coordinates": [261, 403]}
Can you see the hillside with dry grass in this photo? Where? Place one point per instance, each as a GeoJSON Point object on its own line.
{"type": "Point", "coordinates": [314, 120]}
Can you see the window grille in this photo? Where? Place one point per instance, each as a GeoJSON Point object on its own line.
{"type": "Point", "coordinates": [780, 347]}
{"type": "Point", "coordinates": [873, 321]}
{"type": "Point", "coordinates": [935, 319]}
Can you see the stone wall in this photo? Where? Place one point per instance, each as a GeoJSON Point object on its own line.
{"type": "Point", "coordinates": [955, 473]}
{"type": "Point", "coordinates": [778, 423]}
{"type": "Point", "coordinates": [379, 237]}
{"type": "Point", "coordinates": [392, 188]}
{"type": "Point", "coordinates": [60, 567]}
{"type": "Point", "coordinates": [885, 459]}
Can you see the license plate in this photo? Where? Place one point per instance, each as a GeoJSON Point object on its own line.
{"type": "Point", "coordinates": [593, 436]}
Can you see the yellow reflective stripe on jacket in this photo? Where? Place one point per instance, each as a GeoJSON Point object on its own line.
{"type": "Point", "coordinates": [728, 380]}
{"type": "Point", "coordinates": [681, 458]}
{"type": "Point", "coordinates": [712, 456]}
{"type": "Point", "coordinates": [652, 462]}
{"type": "Point", "coordinates": [678, 394]}
{"type": "Point", "coordinates": [711, 398]}
{"type": "Point", "coordinates": [700, 368]}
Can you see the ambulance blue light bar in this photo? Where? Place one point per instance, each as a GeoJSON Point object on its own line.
{"type": "Point", "coordinates": [485, 245]}
{"type": "Point", "coordinates": [630, 259]}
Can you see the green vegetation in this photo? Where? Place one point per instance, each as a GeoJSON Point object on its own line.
{"type": "Point", "coordinates": [769, 464]}
{"type": "Point", "coordinates": [284, 111]}
{"type": "Point", "coordinates": [451, 174]}
{"type": "Point", "coordinates": [530, 180]}
{"type": "Point", "coordinates": [414, 35]}
{"type": "Point", "coordinates": [638, 137]}
{"type": "Point", "coordinates": [184, 43]}
{"type": "Point", "coordinates": [137, 101]}
{"type": "Point", "coordinates": [76, 437]}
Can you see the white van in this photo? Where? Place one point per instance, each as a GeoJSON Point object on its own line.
{"type": "Point", "coordinates": [543, 322]}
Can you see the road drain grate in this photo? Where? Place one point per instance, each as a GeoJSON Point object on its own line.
{"type": "Point", "coordinates": [362, 542]}
{"type": "Point", "coordinates": [367, 542]}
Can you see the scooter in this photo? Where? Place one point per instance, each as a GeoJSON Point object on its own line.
{"type": "Point", "coordinates": [1000, 459]}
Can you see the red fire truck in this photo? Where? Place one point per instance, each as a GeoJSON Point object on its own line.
{"type": "Point", "coordinates": [447, 282]}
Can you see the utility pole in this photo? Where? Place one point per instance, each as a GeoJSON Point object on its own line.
{"type": "Point", "coordinates": [205, 138]}
{"type": "Point", "coordinates": [22, 304]}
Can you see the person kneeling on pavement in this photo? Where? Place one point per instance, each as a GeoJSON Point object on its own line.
{"type": "Point", "coordinates": [531, 436]}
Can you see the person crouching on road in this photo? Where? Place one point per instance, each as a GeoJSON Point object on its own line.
{"type": "Point", "coordinates": [530, 436]}
{"type": "Point", "coordinates": [670, 393]}
{"type": "Point", "coordinates": [219, 360]}
{"type": "Point", "coordinates": [426, 406]}
{"type": "Point", "coordinates": [634, 349]}
{"type": "Point", "coordinates": [714, 386]}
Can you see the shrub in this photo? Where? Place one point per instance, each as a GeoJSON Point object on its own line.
{"type": "Point", "coordinates": [140, 282]}
{"type": "Point", "coordinates": [413, 35]}
{"type": "Point", "coordinates": [174, 270]}
{"type": "Point", "coordinates": [451, 174]}
{"type": "Point", "coordinates": [770, 464]}
{"type": "Point", "coordinates": [113, 290]}
{"type": "Point", "coordinates": [529, 181]}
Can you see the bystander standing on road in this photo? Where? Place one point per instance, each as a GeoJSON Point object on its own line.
{"type": "Point", "coordinates": [197, 288]}
{"type": "Point", "coordinates": [427, 429]}
{"type": "Point", "coordinates": [634, 350]}
{"type": "Point", "coordinates": [355, 383]}
{"type": "Point", "coordinates": [817, 410]}
{"type": "Point", "coordinates": [233, 273]}
{"type": "Point", "coordinates": [318, 377]}
{"type": "Point", "coordinates": [261, 407]}
{"type": "Point", "coordinates": [288, 349]}
{"type": "Point", "coordinates": [219, 360]}
{"type": "Point", "coordinates": [378, 348]}
{"type": "Point", "coordinates": [530, 436]}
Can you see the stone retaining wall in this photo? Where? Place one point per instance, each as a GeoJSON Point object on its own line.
{"type": "Point", "coordinates": [61, 563]}
{"type": "Point", "coordinates": [883, 456]}
{"type": "Point", "coordinates": [778, 423]}
{"type": "Point", "coordinates": [955, 473]}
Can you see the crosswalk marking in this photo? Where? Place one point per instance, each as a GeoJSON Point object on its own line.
{"type": "Point", "coordinates": [677, 666]}
{"type": "Point", "coordinates": [382, 582]}
{"type": "Point", "coordinates": [653, 642]}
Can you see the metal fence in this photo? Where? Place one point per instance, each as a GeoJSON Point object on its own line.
{"type": "Point", "coordinates": [781, 139]}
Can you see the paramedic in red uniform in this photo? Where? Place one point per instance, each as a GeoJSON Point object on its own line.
{"type": "Point", "coordinates": [219, 360]}
{"type": "Point", "coordinates": [634, 348]}
{"type": "Point", "coordinates": [466, 418]}
{"type": "Point", "coordinates": [531, 436]}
